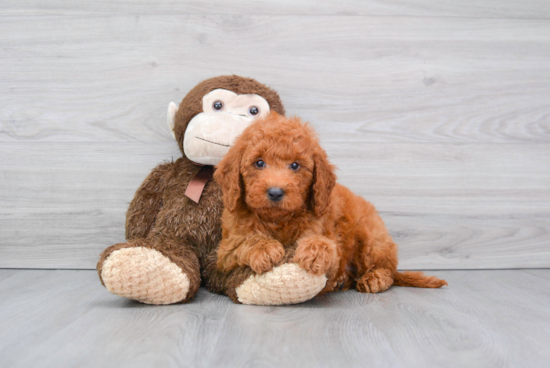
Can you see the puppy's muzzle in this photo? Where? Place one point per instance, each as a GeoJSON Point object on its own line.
{"type": "Point", "coordinates": [275, 194]}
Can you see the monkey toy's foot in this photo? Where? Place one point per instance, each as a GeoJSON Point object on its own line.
{"type": "Point", "coordinates": [285, 284]}
{"type": "Point", "coordinates": [145, 275]}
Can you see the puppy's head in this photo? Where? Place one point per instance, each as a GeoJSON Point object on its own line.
{"type": "Point", "coordinates": [276, 167]}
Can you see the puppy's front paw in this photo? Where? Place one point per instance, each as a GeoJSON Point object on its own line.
{"type": "Point", "coordinates": [265, 255]}
{"type": "Point", "coordinates": [316, 254]}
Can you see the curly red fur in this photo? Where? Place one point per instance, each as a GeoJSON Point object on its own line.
{"type": "Point", "coordinates": [334, 231]}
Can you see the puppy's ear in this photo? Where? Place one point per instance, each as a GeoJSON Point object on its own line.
{"type": "Point", "coordinates": [228, 175]}
{"type": "Point", "coordinates": [324, 181]}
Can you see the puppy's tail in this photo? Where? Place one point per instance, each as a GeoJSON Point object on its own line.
{"type": "Point", "coordinates": [417, 279]}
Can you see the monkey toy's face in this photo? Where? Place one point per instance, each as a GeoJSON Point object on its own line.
{"type": "Point", "coordinates": [225, 115]}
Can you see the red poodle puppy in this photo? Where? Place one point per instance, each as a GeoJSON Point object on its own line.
{"type": "Point", "coordinates": [282, 200]}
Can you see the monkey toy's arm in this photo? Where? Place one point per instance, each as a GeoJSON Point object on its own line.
{"type": "Point", "coordinates": [146, 204]}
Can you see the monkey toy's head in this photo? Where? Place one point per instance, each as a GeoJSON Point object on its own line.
{"type": "Point", "coordinates": [215, 113]}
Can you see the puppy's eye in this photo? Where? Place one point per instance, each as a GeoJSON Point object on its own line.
{"type": "Point", "coordinates": [253, 110]}
{"type": "Point", "coordinates": [260, 164]}
{"type": "Point", "coordinates": [217, 105]}
{"type": "Point", "coordinates": [294, 166]}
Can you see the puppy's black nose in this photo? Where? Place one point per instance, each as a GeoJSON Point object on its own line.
{"type": "Point", "coordinates": [275, 194]}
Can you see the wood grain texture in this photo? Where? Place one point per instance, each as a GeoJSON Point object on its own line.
{"type": "Point", "coordinates": [444, 8]}
{"type": "Point", "coordinates": [62, 204]}
{"type": "Point", "coordinates": [483, 319]}
{"type": "Point", "coordinates": [437, 112]}
{"type": "Point", "coordinates": [448, 206]}
{"type": "Point", "coordinates": [360, 79]}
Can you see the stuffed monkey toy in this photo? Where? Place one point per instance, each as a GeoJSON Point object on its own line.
{"type": "Point", "coordinates": [173, 224]}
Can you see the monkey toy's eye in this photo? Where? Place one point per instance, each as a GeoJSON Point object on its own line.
{"type": "Point", "coordinates": [253, 110]}
{"type": "Point", "coordinates": [260, 164]}
{"type": "Point", "coordinates": [217, 105]}
{"type": "Point", "coordinates": [294, 166]}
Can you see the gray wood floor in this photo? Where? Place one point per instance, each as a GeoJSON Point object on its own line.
{"type": "Point", "coordinates": [496, 318]}
{"type": "Point", "coordinates": [436, 111]}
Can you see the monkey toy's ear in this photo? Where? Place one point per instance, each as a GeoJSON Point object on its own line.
{"type": "Point", "coordinates": [172, 110]}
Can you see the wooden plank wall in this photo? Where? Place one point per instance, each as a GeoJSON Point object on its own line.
{"type": "Point", "coordinates": [437, 112]}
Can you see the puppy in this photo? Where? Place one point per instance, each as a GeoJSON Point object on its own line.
{"type": "Point", "coordinates": [282, 200]}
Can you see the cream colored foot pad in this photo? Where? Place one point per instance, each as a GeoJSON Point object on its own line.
{"type": "Point", "coordinates": [285, 284]}
{"type": "Point", "coordinates": [145, 275]}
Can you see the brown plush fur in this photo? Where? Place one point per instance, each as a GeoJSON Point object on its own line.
{"type": "Point", "coordinates": [331, 230]}
{"type": "Point", "coordinates": [161, 217]}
